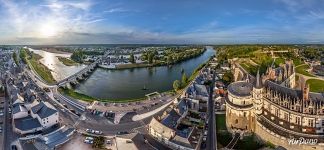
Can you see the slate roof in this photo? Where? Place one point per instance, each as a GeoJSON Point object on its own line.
{"type": "Point", "coordinates": [18, 108]}
{"type": "Point", "coordinates": [182, 106]}
{"type": "Point", "coordinates": [294, 93]}
{"type": "Point", "coordinates": [43, 110]}
{"type": "Point", "coordinates": [27, 123]}
{"type": "Point", "coordinates": [171, 119]}
{"type": "Point", "coordinates": [186, 137]}
{"type": "Point", "coordinates": [240, 88]}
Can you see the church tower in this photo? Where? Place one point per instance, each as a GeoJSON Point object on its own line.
{"type": "Point", "coordinates": [257, 95]}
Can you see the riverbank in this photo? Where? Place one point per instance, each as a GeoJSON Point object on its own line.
{"type": "Point", "coordinates": [67, 61]}
{"type": "Point", "coordinates": [33, 62]}
{"type": "Point", "coordinates": [54, 50]}
{"type": "Point", "coordinates": [76, 95]}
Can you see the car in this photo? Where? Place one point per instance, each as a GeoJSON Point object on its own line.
{"type": "Point", "coordinates": [122, 132]}
{"type": "Point", "coordinates": [88, 130]}
{"type": "Point", "coordinates": [89, 138]}
{"type": "Point", "coordinates": [88, 141]}
{"type": "Point", "coordinates": [98, 132]}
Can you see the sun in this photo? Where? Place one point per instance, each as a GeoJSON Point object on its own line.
{"type": "Point", "coordinates": [48, 30]}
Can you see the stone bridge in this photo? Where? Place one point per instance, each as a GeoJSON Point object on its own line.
{"type": "Point", "coordinates": [80, 75]}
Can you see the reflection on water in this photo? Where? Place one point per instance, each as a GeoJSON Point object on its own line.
{"type": "Point", "coordinates": [129, 83]}
{"type": "Point", "coordinates": [59, 70]}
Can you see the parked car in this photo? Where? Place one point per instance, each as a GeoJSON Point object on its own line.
{"type": "Point", "coordinates": [122, 132]}
{"type": "Point", "coordinates": [88, 141]}
{"type": "Point", "coordinates": [89, 138]}
{"type": "Point", "coordinates": [98, 132]}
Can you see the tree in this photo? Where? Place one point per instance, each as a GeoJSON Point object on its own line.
{"type": "Point", "coordinates": [98, 142]}
{"type": "Point", "coordinates": [184, 79]}
{"type": "Point", "coordinates": [176, 85]}
{"type": "Point", "coordinates": [14, 56]}
{"type": "Point", "coordinates": [132, 58]}
{"type": "Point", "coordinates": [78, 56]}
{"type": "Point", "coordinates": [150, 58]}
{"type": "Point", "coordinates": [23, 55]}
{"type": "Point", "coordinates": [169, 59]}
{"type": "Point", "coordinates": [228, 77]}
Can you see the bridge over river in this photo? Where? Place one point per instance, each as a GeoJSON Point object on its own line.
{"type": "Point", "coordinates": [80, 75]}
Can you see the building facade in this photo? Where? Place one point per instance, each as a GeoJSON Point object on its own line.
{"type": "Point", "coordinates": [276, 111]}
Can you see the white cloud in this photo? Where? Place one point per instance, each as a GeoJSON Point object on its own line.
{"type": "Point", "coordinates": [115, 10]}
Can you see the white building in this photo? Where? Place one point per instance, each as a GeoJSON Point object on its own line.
{"type": "Point", "coordinates": [46, 114]}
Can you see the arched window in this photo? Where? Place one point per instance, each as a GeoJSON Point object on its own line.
{"type": "Point", "coordinates": [236, 121]}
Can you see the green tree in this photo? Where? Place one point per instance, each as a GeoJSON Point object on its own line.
{"type": "Point", "coordinates": [169, 59]}
{"type": "Point", "coordinates": [176, 85]}
{"type": "Point", "coordinates": [132, 58]}
{"type": "Point", "coordinates": [78, 56]}
{"type": "Point", "coordinates": [98, 142]}
{"type": "Point", "coordinates": [228, 77]}
{"type": "Point", "coordinates": [184, 79]}
{"type": "Point", "coordinates": [23, 55]}
{"type": "Point", "coordinates": [150, 58]}
{"type": "Point", "coordinates": [14, 56]}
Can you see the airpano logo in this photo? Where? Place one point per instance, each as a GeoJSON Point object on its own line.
{"type": "Point", "coordinates": [302, 141]}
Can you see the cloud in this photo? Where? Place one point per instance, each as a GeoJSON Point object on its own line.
{"type": "Point", "coordinates": [116, 10]}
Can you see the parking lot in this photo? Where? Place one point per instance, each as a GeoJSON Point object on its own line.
{"type": "Point", "coordinates": [78, 142]}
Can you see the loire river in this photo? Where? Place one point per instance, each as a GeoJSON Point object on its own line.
{"type": "Point", "coordinates": [129, 83]}
{"type": "Point", "coordinates": [59, 70]}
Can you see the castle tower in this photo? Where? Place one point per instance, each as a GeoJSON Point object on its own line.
{"type": "Point", "coordinates": [257, 95]}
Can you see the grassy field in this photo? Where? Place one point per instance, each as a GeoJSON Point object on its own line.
{"type": "Point", "coordinates": [302, 70]}
{"type": "Point", "coordinates": [87, 98]}
{"type": "Point", "coordinates": [249, 68]}
{"type": "Point", "coordinates": [316, 85]}
{"type": "Point", "coordinates": [40, 68]}
{"type": "Point", "coordinates": [221, 122]}
{"type": "Point", "coordinates": [67, 61]}
{"type": "Point", "coordinates": [248, 143]}
{"type": "Point", "coordinates": [76, 95]}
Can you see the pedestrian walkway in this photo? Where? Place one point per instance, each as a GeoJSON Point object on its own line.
{"type": "Point", "coordinates": [151, 113]}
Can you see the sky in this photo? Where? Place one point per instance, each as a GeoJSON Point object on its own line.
{"type": "Point", "coordinates": [161, 21]}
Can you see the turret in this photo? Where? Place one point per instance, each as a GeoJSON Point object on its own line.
{"type": "Point", "coordinates": [257, 95]}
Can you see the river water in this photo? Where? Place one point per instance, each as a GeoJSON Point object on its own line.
{"type": "Point", "coordinates": [58, 69]}
{"type": "Point", "coordinates": [126, 83]}
{"type": "Point", "coordinates": [129, 83]}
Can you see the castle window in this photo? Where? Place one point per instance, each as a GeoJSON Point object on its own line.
{"type": "Point", "coordinates": [297, 120]}
{"type": "Point", "coordinates": [244, 114]}
{"type": "Point", "coordinates": [277, 112]}
{"type": "Point", "coordinates": [236, 121]}
{"type": "Point", "coordinates": [286, 116]}
{"type": "Point", "coordinates": [310, 122]}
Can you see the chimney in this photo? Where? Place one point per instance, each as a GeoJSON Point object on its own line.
{"type": "Point", "coordinates": [306, 92]}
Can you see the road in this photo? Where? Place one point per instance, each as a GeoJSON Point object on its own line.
{"type": "Point", "coordinates": [5, 125]}
{"type": "Point", "coordinates": [211, 135]}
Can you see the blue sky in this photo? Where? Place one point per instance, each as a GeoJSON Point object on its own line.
{"type": "Point", "coordinates": [161, 21]}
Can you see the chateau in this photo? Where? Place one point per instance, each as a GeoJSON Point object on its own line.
{"type": "Point", "coordinates": [272, 107]}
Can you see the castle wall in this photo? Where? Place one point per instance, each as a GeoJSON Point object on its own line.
{"type": "Point", "coordinates": [267, 135]}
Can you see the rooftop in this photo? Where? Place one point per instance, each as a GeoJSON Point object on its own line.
{"type": "Point", "coordinates": [27, 123]}
{"type": "Point", "coordinates": [240, 88]}
{"type": "Point", "coordinates": [43, 110]}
